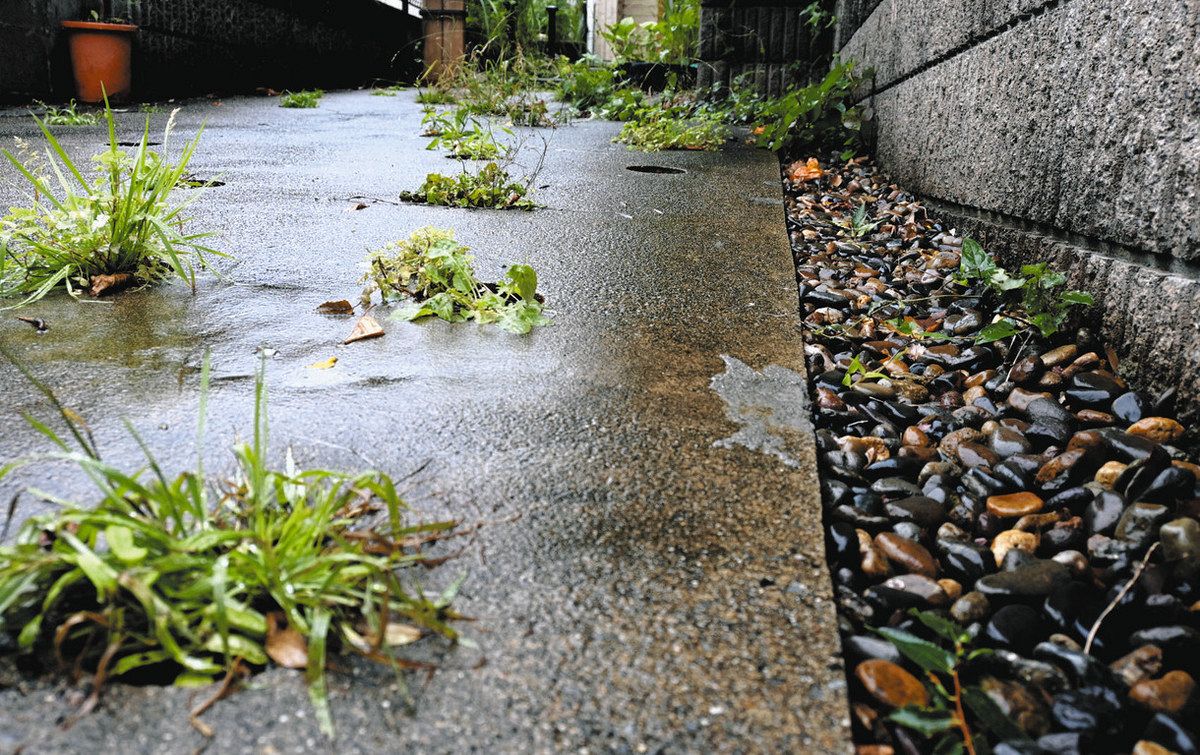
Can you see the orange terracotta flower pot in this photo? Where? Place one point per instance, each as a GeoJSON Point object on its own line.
{"type": "Point", "coordinates": [101, 56]}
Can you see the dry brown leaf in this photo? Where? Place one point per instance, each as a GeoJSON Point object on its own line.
{"type": "Point", "coordinates": [285, 645]}
{"type": "Point", "coordinates": [109, 284]}
{"type": "Point", "coordinates": [801, 171]}
{"type": "Point", "coordinates": [336, 307]}
{"type": "Point", "coordinates": [366, 327]}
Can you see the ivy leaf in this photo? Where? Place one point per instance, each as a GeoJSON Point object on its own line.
{"type": "Point", "coordinates": [1047, 322]}
{"type": "Point", "coordinates": [1077, 297]}
{"type": "Point", "coordinates": [996, 331]}
{"type": "Point", "coordinates": [1002, 281]}
{"type": "Point", "coordinates": [944, 627]}
{"type": "Point", "coordinates": [925, 722]}
{"type": "Point", "coordinates": [523, 280]}
{"type": "Point", "coordinates": [925, 654]}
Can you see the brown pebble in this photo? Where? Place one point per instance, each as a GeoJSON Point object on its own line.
{"type": "Point", "coordinates": [890, 684]}
{"type": "Point", "coordinates": [951, 587]}
{"type": "Point", "coordinates": [907, 555]}
{"type": "Point", "coordinates": [1157, 429]}
{"type": "Point", "coordinates": [979, 378]}
{"type": "Point", "coordinates": [1014, 504]}
{"type": "Point", "coordinates": [915, 436]}
{"type": "Point", "coordinates": [1059, 464]}
{"type": "Point", "coordinates": [1051, 381]}
{"type": "Point", "coordinates": [827, 399]}
{"type": "Point", "coordinates": [1094, 418]}
{"type": "Point", "coordinates": [951, 441]}
{"type": "Point", "coordinates": [1166, 695]}
{"type": "Point", "coordinates": [874, 449]}
{"type": "Point", "coordinates": [1107, 474]}
{"type": "Point", "coordinates": [975, 455]}
{"type": "Point", "coordinates": [1146, 747]}
{"type": "Point", "coordinates": [1081, 364]}
{"type": "Point", "coordinates": [1061, 355]}
{"type": "Point", "coordinates": [1020, 399]}
{"type": "Point", "coordinates": [1085, 439]}
{"type": "Point", "coordinates": [874, 563]}
{"type": "Point", "coordinates": [977, 392]}
{"type": "Point", "coordinates": [1143, 663]}
{"type": "Point", "coordinates": [1038, 522]}
{"type": "Point", "coordinates": [1014, 540]}
{"type": "Point", "coordinates": [1188, 466]}
{"type": "Point", "coordinates": [951, 400]}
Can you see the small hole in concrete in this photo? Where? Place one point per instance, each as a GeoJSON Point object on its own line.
{"type": "Point", "coordinates": [138, 144]}
{"type": "Point", "coordinates": [660, 169]}
{"type": "Point", "coordinates": [189, 181]}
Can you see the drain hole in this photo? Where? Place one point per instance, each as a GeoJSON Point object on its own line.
{"type": "Point", "coordinates": [660, 169]}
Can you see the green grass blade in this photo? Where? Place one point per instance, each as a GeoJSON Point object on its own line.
{"type": "Point", "coordinates": [318, 688]}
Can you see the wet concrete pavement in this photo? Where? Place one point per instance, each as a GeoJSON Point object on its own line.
{"type": "Point", "coordinates": [650, 577]}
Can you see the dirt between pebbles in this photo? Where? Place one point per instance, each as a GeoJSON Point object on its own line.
{"type": "Point", "coordinates": [1021, 488]}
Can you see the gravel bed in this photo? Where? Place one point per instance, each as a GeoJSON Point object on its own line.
{"type": "Point", "coordinates": [1020, 488]}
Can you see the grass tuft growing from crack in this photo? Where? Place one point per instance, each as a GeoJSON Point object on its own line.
{"type": "Point", "coordinates": [116, 228]}
{"type": "Point", "coordinates": [434, 273]}
{"type": "Point", "coordinates": [306, 98]}
{"type": "Point", "coordinates": [67, 115]}
{"type": "Point", "coordinates": [198, 580]}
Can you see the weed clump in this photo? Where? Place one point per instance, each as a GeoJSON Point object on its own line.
{"type": "Point", "coordinates": [115, 229]}
{"type": "Point", "coordinates": [434, 273]}
{"type": "Point", "coordinates": [465, 136]}
{"type": "Point", "coordinates": [67, 115]}
{"type": "Point", "coordinates": [306, 98]}
{"type": "Point", "coordinates": [663, 126]}
{"type": "Point", "coordinates": [492, 187]}
{"type": "Point", "coordinates": [195, 580]}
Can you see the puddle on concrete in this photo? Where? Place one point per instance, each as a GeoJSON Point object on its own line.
{"type": "Point", "coordinates": [771, 407]}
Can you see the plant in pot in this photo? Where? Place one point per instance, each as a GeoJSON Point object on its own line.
{"type": "Point", "coordinates": [101, 54]}
{"type": "Point", "coordinates": [655, 55]}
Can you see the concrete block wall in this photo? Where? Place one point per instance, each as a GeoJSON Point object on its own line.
{"type": "Point", "coordinates": [198, 46]}
{"type": "Point", "coordinates": [1057, 129]}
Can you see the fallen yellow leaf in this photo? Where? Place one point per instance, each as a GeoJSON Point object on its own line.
{"type": "Point", "coordinates": [324, 364]}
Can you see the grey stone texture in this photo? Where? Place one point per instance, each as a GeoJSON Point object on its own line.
{"type": "Point", "coordinates": [198, 46]}
{"type": "Point", "coordinates": [1081, 116]}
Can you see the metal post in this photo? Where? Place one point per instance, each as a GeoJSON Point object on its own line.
{"type": "Point", "coordinates": [552, 30]}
